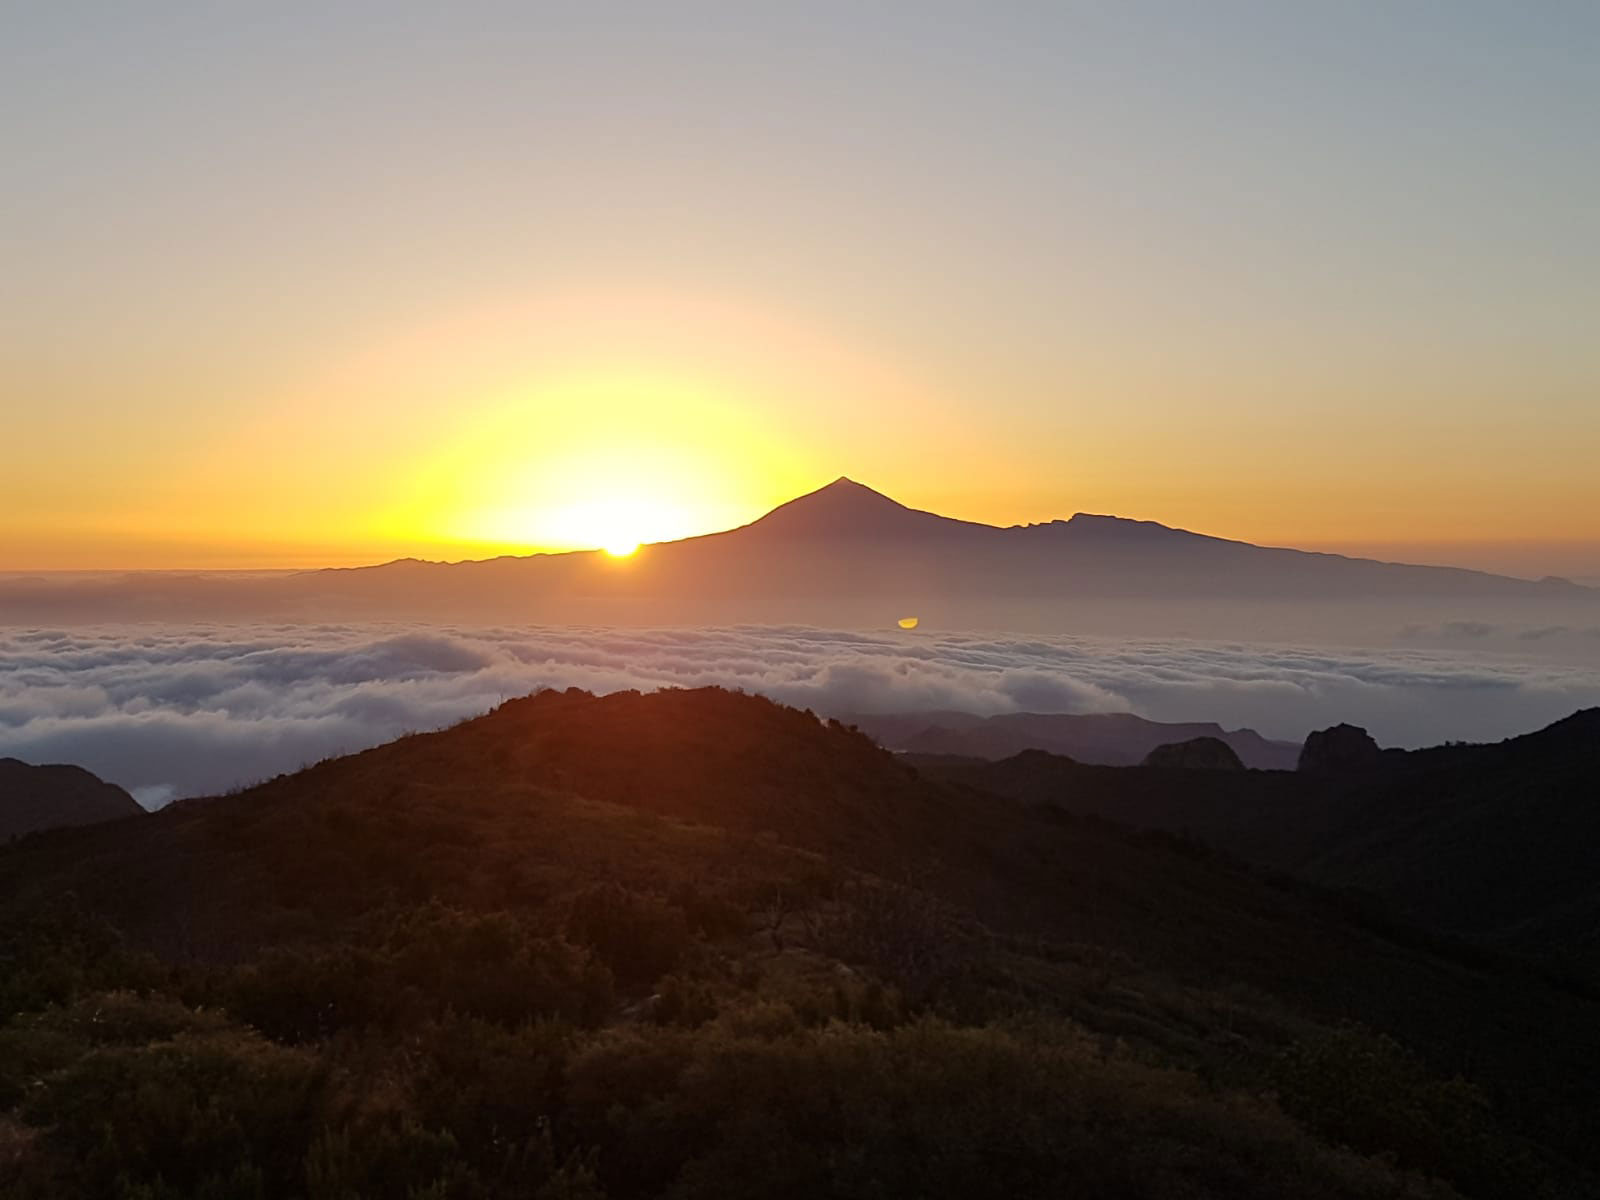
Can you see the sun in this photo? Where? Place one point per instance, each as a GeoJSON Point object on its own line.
{"type": "Point", "coordinates": [615, 525]}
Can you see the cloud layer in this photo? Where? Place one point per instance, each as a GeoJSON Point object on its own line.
{"type": "Point", "coordinates": [169, 713]}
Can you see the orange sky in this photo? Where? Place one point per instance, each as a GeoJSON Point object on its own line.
{"type": "Point", "coordinates": [1310, 278]}
{"type": "Point", "coordinates": [648, 415]}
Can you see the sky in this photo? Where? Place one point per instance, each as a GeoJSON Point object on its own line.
{"type": "Point", "coordinates": [295, 285]}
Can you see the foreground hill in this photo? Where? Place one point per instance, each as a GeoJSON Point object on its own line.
{"type": "Point", "coordinates": [46, 797]}
{"type": "Point", "coordinates": [846, 555]}
{"type": "Point", "coordinates": [1108, 739]}
{"type": "Point", "coordinates": [1500, 842]}
{"type": "Point", "coordinates": [696, 943]}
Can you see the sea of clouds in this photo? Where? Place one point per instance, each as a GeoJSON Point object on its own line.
{"type": "Point", "coordinates": [170, 713]}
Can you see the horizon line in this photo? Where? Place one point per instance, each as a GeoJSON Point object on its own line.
{"type": "Point", "coordinates": [1349, 549]}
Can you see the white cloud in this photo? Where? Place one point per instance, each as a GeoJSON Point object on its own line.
{"type": "Point", "coordinates": [171, 712]}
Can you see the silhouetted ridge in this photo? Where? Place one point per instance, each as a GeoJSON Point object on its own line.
{"type": "Point", "coordinates": [1110, 739]}
{"type": "Point", "coordinates": [718, 757]}
{"type": "Point", "coordinates": [46, 797]}
{"type": "Point", "coordinates": [1102, 527]}
{"type": "Point", "coordinates": [1197, 754]}
{"type": "Point", "coordinates": [1339, 748]}
{"type": "Point", "coordinates": [1493, 841]}
{"type": "Point", "coordinates": [1581, 731]}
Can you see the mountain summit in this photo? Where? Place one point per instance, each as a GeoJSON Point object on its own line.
{"type": "Point", "coordinates": [847, 509]}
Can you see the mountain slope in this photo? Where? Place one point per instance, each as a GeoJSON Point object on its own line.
{"type": "Point", "coordinates": [758, 931]}
{"type": "Point", "coordinates": [45, 797]}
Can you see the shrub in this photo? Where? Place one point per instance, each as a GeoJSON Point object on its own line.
{"type": "Point", "coordinates": [37, 1044]}
{"type": "Point", "coordinates": [494, 966]}
{"type": "Point", "coordinates": [639, 937]}
{"type": "Point", "coordinates": [188, 1115]}
{"type": "Point", "coordinates": [1366, 1091]}
{"type": "Point", "coordinates": [684, 1001]}
{"type": "Point", "coordinates": [899, 933]}
{"type": "Point", "coordinates": [54, 953]}
{"type": "Point", "coordinates": [492, 1087]}
{"type": "Point", "coordinates": [934, 1111]}
{"type": "Point", "coordinates": [299, 994]}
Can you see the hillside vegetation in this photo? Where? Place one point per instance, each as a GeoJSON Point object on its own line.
{"type": "Point", "coordinates": [698, 944]}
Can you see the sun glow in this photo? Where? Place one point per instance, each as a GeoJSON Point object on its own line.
{"type": "Point", "coordinates": [602, 458]}
{"type": "Point", "coordinates": [617, 524]}
{"type": "Point", "coordinates": [571, 421]}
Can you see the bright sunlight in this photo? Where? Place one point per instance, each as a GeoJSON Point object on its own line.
{"type": "Point", "coordinates": [617, 525]}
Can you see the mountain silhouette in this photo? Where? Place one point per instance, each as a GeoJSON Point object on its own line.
{"type": "Point", "coordinates": [846, 509]}
{"type": "Point", "coordinates": [1494, 841]}
{"type": "Point", "coordinates": [1106, 739]}
{"type": "Point", "coordinates": [844, 555]}
{"type": "Point", "coordinates": [1197, 754]}
{"type": "Point", "coordinates": [46, 797]}
{"type": "Point", "coordinates": [847, 537]}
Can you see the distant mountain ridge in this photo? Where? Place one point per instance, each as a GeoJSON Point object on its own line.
{"type": "Point", "coordinates": [852, 512]}
{"type": "Point", "coordinates": [49, 797]}
{"type": "Point", "coordinates": [1498, 841]}
{"type": "Point", "coordinates": [844, 555]}
{"type": "Point", "coordinates": [1106, 739]}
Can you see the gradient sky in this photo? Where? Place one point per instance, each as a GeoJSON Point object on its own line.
{"type": "Point", "coordinates": [297, 284]}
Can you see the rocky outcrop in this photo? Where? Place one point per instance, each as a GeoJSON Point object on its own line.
{"type": "Point", "coordinates": [1196, 754]}
{"type": "Point", "coordinates": [1341, 749]}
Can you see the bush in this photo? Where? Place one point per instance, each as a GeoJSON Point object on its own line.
{"type": "Point", "coordinates": [684, 1001]}
{"type": "Point", "coordinates": [898, 933]}
{"type": "Point", "coordinates": [493, 1087]}
{"type": "Point", "coordinates": [37, 1044]}
{"type": "Point", "coordinates": [489, 965]}
{"type": "Point", "coordinates": [216, 1113]}
{"type": "Point", "coordinates": [55, 953]}
{"type": "Point", "coordinates": [299, 994]}
{"type": "Point", "coordinates": [1366, 1091]}
{"type": "Point", "coordinates": [495, 967]}
{"type": "Point", "coordinates": [381, 1159]}
{"type": "Point", "coordinates": [639, 937]}
{"type": "Point", "coordinates": [930, 1110]}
